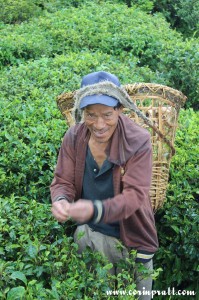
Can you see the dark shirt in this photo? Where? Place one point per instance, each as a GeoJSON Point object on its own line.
{"type": "Point", "coordinates": [98, 185]}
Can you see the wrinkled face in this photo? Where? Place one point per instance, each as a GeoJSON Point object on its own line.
{"type": "Point", "coordinates": [101, 120]}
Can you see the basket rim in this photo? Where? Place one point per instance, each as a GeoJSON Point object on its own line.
{"type": "Point", "coordinates": [139, 88]}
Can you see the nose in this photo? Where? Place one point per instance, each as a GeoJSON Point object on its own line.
{"type": "Point", "coordinates": [99, 123]}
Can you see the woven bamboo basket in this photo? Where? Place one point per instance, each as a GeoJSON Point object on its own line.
{"type": "Point", "coordinates": [160, 105]}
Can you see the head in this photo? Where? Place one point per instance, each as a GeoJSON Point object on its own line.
{"type": "Point", "coordinates": [101, 110]}
{"type": "Point", "coordinates": [101, 121]}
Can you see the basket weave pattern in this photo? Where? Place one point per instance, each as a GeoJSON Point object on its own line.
{"type": "Point", "coordinates": [161, 105]}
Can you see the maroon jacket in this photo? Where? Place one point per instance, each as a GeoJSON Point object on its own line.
{"type": "Point", "coordinates": [130, 150]}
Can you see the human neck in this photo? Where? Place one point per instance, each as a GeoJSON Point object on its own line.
{"type": "Point", "coordinates": [100, 145]}
{"type": "Point", "coordinates": [98, 151]}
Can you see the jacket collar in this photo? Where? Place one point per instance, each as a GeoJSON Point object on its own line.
{"type": "Point", "coordinates": [127, 139]}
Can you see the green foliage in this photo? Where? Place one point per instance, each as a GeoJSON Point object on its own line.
{"type": "Point", "coordinates": [181, 14]}
{"type": "Point", "coordinates": [145, 5]}
{"type": "Point", "coordinates": [178, 65]}
{"type": "Point", "coordinates": [127, 30]}
{"type": "Point", "coordinates": [177, 222]}
{"type": "Point", "coordinates": [18, 11]}
{"type": "Point", "coordinates": [184, 171]}
{"type": "Point", "coordinates": [23, 10]}
{"type": "Point", "coordinates": [29, 139]}
{"type": "Point", "coordinates": [129, 34]}
{"type": "Point", "coordinates": [39, 260]}
{"type": "Point", "coordinates": [43, 57]}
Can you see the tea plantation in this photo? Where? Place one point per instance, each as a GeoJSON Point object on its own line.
{"type": "Point", "coordinates": [45, 49]}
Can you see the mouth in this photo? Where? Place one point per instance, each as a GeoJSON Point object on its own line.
{"type": "Point", "coordinates": [100, 134]}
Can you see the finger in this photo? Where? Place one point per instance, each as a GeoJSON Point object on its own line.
{"type": "Point", "coordinates": [60, 209]}
{"type": "Point", "coordinates": [59, 215]}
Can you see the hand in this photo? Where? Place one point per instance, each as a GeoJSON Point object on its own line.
{"type": "Point", "coordinates": [81, 211]}
{"type": "Point", "coordinates": [60, 210]}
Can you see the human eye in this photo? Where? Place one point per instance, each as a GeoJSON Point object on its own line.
{"type": "Point", "coordinates": [108, 115]}
{"type": "Point", "coordinates": [90, 116]}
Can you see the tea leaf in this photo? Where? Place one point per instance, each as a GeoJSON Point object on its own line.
{"type": "Point", "coordinates": [16, 293]}
{"type": "Point", "coordinates": [19, 275]}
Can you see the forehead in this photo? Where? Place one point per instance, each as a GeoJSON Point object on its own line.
{"type": "Point", "coordinates": [95, 108]}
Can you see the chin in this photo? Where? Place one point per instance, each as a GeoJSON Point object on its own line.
{"type": "Point", "coordinates": [102, 140]}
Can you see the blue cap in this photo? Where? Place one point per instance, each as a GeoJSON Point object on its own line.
{"type": "Point", "coordinates": [94, 78]}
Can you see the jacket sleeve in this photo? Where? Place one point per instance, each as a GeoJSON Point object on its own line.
{"type": "Point", "coordinates": [136, 185]}
{"type": "Point", "coordinates": [63, 181]}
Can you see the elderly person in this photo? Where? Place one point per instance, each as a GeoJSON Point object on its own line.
{"type": "Point", "coordinates": [103, 176]}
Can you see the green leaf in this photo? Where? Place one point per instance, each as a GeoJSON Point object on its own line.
{"type": "Point", "coordinates": [19, 275]}
{"type": "Point", "coordinates": [8, 136]}
{"type": "Point", "coordinates": [32, 251]}
{"type": "Point", "coordinates": [108, 266]}
{"type": "Point", "coordinates": [32, 282]}
{"type": "Point", "coordinates": [16, 293]}
{"type": "Point", "coordinates": [175, 228]}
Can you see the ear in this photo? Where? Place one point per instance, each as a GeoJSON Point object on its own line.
{"type": "Point", "coordinates": [121, 109]}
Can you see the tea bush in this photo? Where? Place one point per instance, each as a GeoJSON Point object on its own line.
{"type": "Point", "coordinates": [39, 260]}
{"type": "Point", "coordinates": [129, 34]}
{"type": "Point", "coordinates": [179, 69]}
{"type": "Point", "coordinates": [114, 29]}
{"type": "Point", "coordinates": [181, 14]}
{"type": "Point", "coordinates": [145, 5]}
{"type": "Point", "coordinates": [184, 169]}
{"type": "Point", "coordinates": [177, 222]}
{"type": "Point", "coordinates": [23, 10]}
{"type": "Point", "coordinates": [18, 11]}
